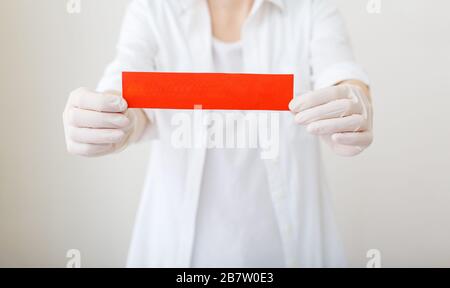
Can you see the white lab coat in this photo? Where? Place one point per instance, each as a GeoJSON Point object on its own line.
{"type": "Point", "coordinates": [303, 37]}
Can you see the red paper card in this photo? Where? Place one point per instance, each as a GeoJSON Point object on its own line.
{"type": "Point", "coordinates": [213, 91]}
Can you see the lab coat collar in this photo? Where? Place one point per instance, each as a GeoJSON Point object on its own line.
{"type": "Point", "coordinates": [188, 4]}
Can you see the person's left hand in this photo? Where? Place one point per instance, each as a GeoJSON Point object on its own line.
{"type": "Point", "coordinates": [341, 115]}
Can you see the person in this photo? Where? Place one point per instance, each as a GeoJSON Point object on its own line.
{"type": "Point", "coordinates": [228, 207]}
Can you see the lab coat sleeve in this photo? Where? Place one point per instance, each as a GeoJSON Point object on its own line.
{"type": "Point", "coordinates": [135, 52]}
{"type": "Point", "coordinates": [332, 58]}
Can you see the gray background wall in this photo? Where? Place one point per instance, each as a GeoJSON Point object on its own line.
{"type": "Point", "coordinates": [395, 197]}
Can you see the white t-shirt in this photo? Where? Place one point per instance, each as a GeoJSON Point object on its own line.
{"type": "Point", "coordinates": [236, 224]}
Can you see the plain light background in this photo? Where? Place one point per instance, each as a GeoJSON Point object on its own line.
{"type": "Point", "coordinates": [394, 198]}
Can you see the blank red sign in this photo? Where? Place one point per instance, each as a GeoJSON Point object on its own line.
{"type": "Point", "coordinates": [213, 91]}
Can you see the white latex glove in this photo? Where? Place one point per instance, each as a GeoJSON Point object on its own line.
{"type": "Point", "coordinates": [341, 115]}
{"type": "Point", "coordinates": [97, 124]}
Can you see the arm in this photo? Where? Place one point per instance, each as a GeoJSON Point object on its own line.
{"type": "Point", "coordinates": [340, 108]}
{"type": "Point", "coordinates": [98, 122]}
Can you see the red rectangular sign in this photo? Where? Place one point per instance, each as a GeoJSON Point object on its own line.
{"type": "Point", "coordinates": [213, 91]}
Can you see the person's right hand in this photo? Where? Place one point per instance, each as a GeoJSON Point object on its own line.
{"type": "Point", "coordinates": [95, 124]}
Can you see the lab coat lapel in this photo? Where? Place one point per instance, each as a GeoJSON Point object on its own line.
{"type": "Point", "coordinates": [197, 24]}
{"type": "Point", "coordinates": [262, 40]}
{"type": "Point", "coordinates": [197, 27]}
{"type": "Point", "coordinates": [262, 48]}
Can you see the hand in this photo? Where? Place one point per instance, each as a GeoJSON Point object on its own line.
{"type": "Point", "coordinates": [341, 115]}
{"type": "Point", "coordinates": [95, 124]}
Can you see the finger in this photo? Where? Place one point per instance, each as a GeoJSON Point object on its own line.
{"type": "Point", "coordinates": [347, 151]}
{"type": "Point", "coordinates": [89, 150]}
{"type": "Point", "coordinates": [93, 119]}
{"type": "Point", "coordinates": [319, 97]}
{"type": "Point", "coordinates": [96, 136]}
{"type": "Point", "coordinates": [334, 109]}
{"type": "Point", "coordinates": [84, 99]}
{"type": "Point", "coordinates": [353, 123]}
{"type": "Point", "coordinates": [353, 138]}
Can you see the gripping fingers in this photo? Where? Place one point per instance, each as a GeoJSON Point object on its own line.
{"type": "Point", "coordinates": [353, 123]}
{"type": "Point", "coordinates": [340, 149]}
{"type": "Point", "coordinates": [93, 119]}
{"type": "Point", "coordinates": [358, 139]}
{"type": "Point", "coordinates": [84, 99]}
{"type": "Point", "coordinates": [317, 98]}
{"type": "Point", "coordinates": [95, 136]}
{"type": "Point", "coordinates": [88, 150]}
{"type": "Point", "coordinates": [334, 109]}
{"type": "Point", "coordinates": [347, 151]}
